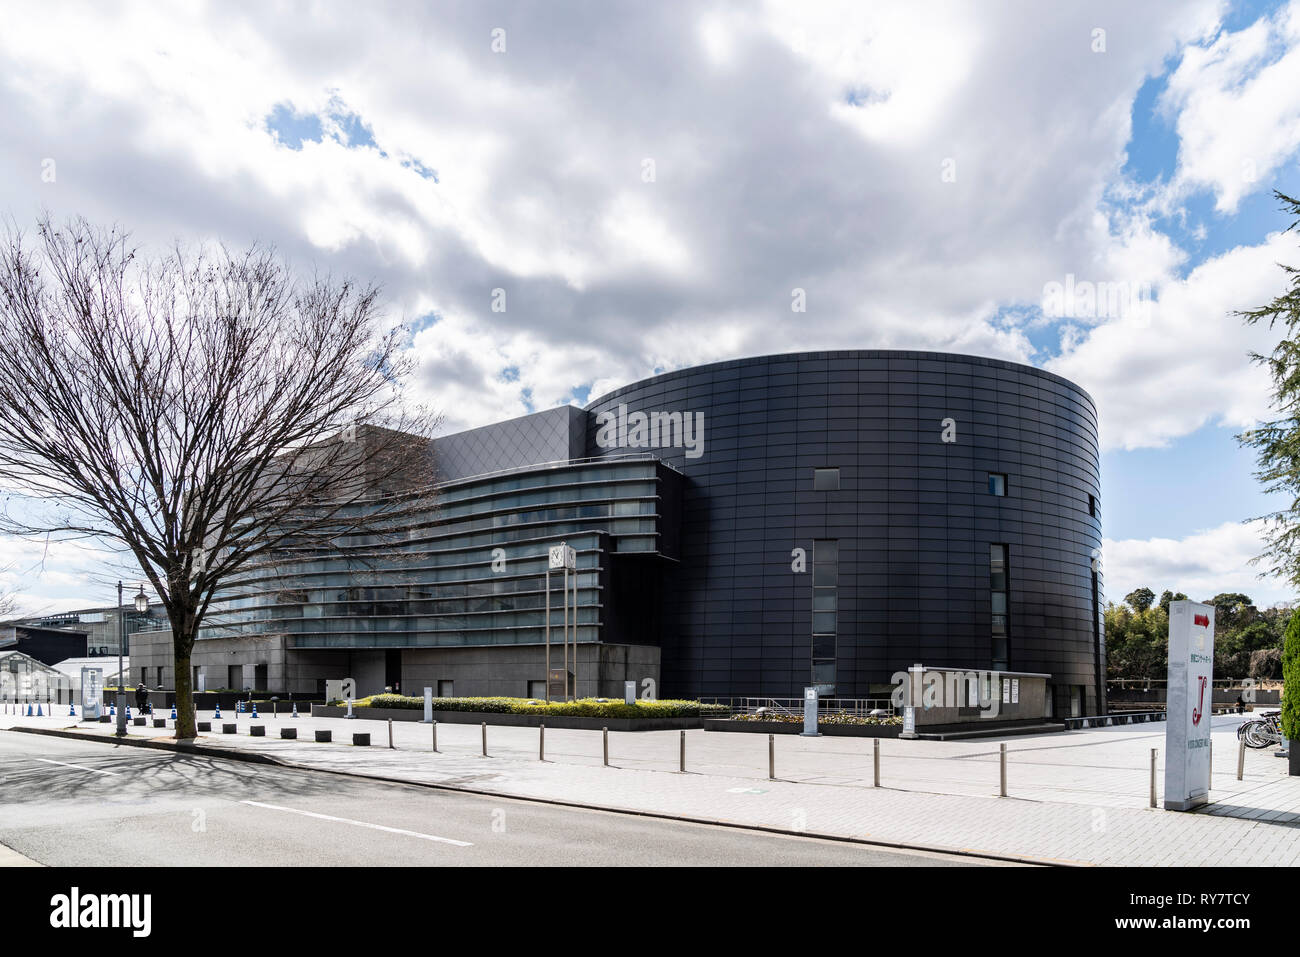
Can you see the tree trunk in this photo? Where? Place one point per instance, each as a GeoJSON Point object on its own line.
{"type": "Point", "coordinates": [182, 645]}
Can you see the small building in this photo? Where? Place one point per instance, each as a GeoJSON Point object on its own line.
{"type": "Point", "coordinates": [70, 668]}
{"type": "Point", "coordinates": [23, 678]}
{"type": "Point", "coordinates": [47, 645]}
{"type": "Point", "coordinates": [102, 626]}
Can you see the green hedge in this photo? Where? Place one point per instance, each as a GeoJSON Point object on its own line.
{"type": "Point", "coordinates": [583, 708]}
{"type": "Point", "coordinates": [1291, 680]}
{"type": "Point", "coordinates": [831, 718]}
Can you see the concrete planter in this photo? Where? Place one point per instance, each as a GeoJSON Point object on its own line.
{"type": "Point", "coordinates": [511, 720]}
{"type": "Point", "coordinates": [786, 727]}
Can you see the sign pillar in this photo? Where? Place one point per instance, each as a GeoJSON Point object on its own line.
{"type": "Point", "coordinates": [562, 557]}
{"type": "Point", "coordinates": [809, 714]}
{"type": "Point", "coordinates": [548, 633]}
{"type": "Point", "coordinates": [1190, 705]}
{"type": "Point", "coordinates": [913, 697]}
{"type": "Point", "coordinates": [92, 691]}
{"type": "Point", "coordinates": [349, 689]}
{"type": "Point", "coordinates": [428, 706]}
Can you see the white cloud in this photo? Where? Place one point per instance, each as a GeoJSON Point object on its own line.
{"type": "Point", "coordinates": [1201, 565]}
{"type": "Point", "coordinates": [43, 578]}
{"type": "Point", "coordinates": [1237, 104]}
{"type": "Point", "coordinates": [1167, 370]}
{"type": "Point", "coordinates": [795, 146]}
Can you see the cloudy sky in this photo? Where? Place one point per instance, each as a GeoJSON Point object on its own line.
{"type": "Point", "coordinates": [649, 183]}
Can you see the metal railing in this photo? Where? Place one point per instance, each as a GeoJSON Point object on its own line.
{"type": "Point", "coordinates": [1124, 717]}
{"type": "Point", "coordinates": [860, 707]}
{"type": "Point", "coordinates": [1106, 720]}
{"type": "Point", "coordinates": [1151, 684]}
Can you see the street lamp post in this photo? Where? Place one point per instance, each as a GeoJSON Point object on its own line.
{"type": "Point", "coordinates": [121, 647]}
{"type": "Point", "coordinates": [141, 606]}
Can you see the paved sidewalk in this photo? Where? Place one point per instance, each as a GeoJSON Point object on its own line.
{"type": "Point", "coordinates": [1076, 797]}
{"type": "Point", "coordinates": [11, 858]}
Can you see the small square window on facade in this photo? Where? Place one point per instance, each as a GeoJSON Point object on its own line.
{"type": "Point", "coordinates": [826, 480]}
{"type": "Point", "coordinates": [997, 483]}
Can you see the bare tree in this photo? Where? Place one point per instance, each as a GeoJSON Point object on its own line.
{"type": "Point", "coordinates": [8, 605]}
{"type": "Point", "coordinates": [204, 412]}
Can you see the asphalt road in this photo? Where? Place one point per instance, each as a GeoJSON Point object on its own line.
{"type": "Point", "coordinates": [73, 803]}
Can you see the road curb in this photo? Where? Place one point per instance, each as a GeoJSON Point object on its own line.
{"type": "Point", "coordinates": [184, 747]}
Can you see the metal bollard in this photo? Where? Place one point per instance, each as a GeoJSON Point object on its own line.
{"type": "Point", "coordinates": [876, 757]}
{"type": "Point", "coordinates": [771, 757]}
{"type": "Point", "coordinates": [682, 763]}
{"type": "Point", "coordinates": [541, 742]}
{"type": "Point", "coordinates": [435, 737]}
{"type": "Point", "coordinates": [604, 735]}
{"type": "Point", "coordinates": [1153, 777]}
{"type": "Point", "coordinates": [485, 739]}
{"type": "Point", "coordinates": [1241, 759]}
{"type": "Point", "coordinates": [1002, 759]}
{"type": "Point", "coordinates": [390, 735]}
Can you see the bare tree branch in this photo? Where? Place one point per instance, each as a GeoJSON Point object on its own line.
{"type": "Point", "coordinates": [204, 411]}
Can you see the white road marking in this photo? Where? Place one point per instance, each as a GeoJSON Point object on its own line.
{"type": "Point", "coordinates": [346, 820]}
{"type": "Point", "coordinates": [79, 767]}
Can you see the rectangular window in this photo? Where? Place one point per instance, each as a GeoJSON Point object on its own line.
{"type": "Point", "coordinates": [826, 480]}
{"type": "Point", "coordinates": [537, 689]}
{"type": "Point", "coordinates": [1092, 505]}
{"type": "Point", "coordinates": [999, 605]}
{"type": "Point", "coordinates": [823, 677]}
{"type": "Point", "coordinates": [826, 562]}
{"type": "Point", "coordinates": [825, 624]}
{"type": "Point", "coordinates": [997, 483]}
{"type": "Point", "coordinates": [445, 689]}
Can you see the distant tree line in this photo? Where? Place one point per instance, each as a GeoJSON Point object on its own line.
{"type": "Point", "coordinates": [1247, 639]}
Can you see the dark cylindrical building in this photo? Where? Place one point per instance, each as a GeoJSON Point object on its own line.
{"type": "Point", "coordinates": [848, 514]}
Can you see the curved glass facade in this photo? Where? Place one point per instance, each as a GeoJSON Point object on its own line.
{"type": "Point", "coordinates": [473, 571]}
{"type": "Point", "coordinates": [946, 509]}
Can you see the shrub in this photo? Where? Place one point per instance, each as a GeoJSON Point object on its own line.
{"type": "Point", "coordinates": [583, 708]}
{"type": "Point", "coordinates": [781, 717]}
{"type": "Point", "coordinates": [1291, 679]}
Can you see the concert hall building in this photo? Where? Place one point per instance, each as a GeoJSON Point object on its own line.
{"type": "Point", "coordinates": [742, 529]}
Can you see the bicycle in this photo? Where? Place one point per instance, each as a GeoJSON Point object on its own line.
{"type": "Point", "coordinates": [1264, 731]}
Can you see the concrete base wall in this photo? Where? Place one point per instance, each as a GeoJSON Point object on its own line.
{"type": "Point", "coordinates": [474, 672]}
{"type": "Point", "coordinates": [507, 670]}
{"type": "Point", "coordinates": [215, 657]}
